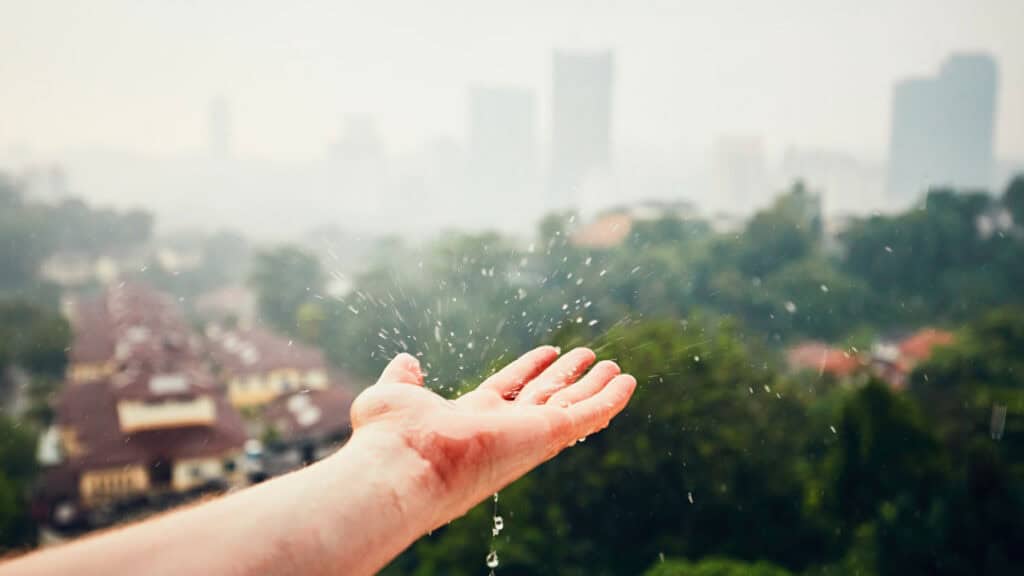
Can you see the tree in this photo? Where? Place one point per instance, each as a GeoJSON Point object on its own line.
{"type": "Point", "coordinates": [17, 469]}
{"type": "Point", "coordinates": [284, 279]}
{"type": "Point", "coordinates": [1013, 199]}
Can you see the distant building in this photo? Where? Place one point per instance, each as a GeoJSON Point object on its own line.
{"type": "Point", "coordinates": [257, 366]}
{"type": "Point", "coordinates": [942, 131]}
{"type": "Point", "coordinates": [303, 427]}
{"type": "Point", "coordinates": [614, 226]}
{"type": "Point", "coordinates": [125, 324]}
{"type": "Point", "coordinates": [824, 359]}
{"type": "Point", "coordinates": [847, 184]}
{"type": "Point", "coordinates": [581, 123]}
{"type": "Point", "coordinates": [140, 417]}
{"type": "Point", "coordinates": [235, 304]}
{"type": "Point", "coordinates": [502, 150]}
{"type": "Point", "coordinates": [739, 173]}
{"type": "Point", "coordinates": [893, 361]}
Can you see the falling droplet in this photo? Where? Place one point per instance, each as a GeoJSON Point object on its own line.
{"type": "Point", "coordinates": [492, 559]}
{"type": "Point", "coordinates": [689, 496]}
{"type": "Point", "coordinates": [790, 307]}
{"type": "Point", "coordinates": [833, 429]}
{"type": "Point", "coordinates": [499, 523]}
{"type": "Point", "coordinates": [824, 288]}
{"type": "Point", "coordinates": [696, 358]}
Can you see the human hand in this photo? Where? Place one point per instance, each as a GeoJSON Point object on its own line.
{"type": "Point", "coordinates": [474, 445]}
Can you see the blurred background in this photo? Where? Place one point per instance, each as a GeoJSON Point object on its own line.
{"type": "Point", "coordinates": [799, 224]}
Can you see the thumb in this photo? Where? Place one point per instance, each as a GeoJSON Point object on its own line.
{"type": "Point", "coordinates": [403, 369]}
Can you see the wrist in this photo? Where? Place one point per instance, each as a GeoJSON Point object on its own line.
{"type": "Point", "coordinates": [376, 496]}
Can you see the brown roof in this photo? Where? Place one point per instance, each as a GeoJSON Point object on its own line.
{"type": "Point", "coordinates": [90, 409]}
{"type": "Point", "coordinates": [311, 414]}
{"type": "Point", "coordinates": [93, 332]}
{"type": "Point", "coordinates": [127, 321]}
{"type": "Point", "coordinates": [258, 350]}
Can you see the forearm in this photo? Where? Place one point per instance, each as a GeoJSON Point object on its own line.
{"type": "Point", "coordinates": [350, 513]}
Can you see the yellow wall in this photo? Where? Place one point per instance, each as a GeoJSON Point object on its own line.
{"type": "Point", "coordinates": [258, 389]}
{"type": "Point", "coordinates": [87, 371]}
{"type": "Point", "coordinates": [135, 416]}
{"type": "Point", "coordinates": [197, 471]}
{"type": "Point", "coordinates": [96, 486]}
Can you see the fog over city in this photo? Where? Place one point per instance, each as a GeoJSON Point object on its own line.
{"type": "Point", "coordinates": [407, 118]}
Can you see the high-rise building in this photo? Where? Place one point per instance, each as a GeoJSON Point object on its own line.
{"type": "Point", "coordinates": [502, 141]}
{"type": "Point", "coordinates": [581, 122]}
{"type": "Point", "coordinates": [739, 174]}
{"type": "Point", "coordinates": [943, 128]}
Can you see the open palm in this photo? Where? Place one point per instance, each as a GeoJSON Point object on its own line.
{"type": "Point", "coordinates": [521, 416]}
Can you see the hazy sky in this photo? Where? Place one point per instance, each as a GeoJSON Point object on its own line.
{"type": "Point", "coordinates": [139, 75]}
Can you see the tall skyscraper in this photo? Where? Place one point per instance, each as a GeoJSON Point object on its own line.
{"type": "Point", "coordinates": [581, 122]}
{"type": "Point", "coordinates": [943, 128]}
{"type": "Point", "coordinates": [502, 143]}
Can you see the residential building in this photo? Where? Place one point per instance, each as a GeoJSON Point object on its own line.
{"type": "Point", "coordinates": [257, 366]}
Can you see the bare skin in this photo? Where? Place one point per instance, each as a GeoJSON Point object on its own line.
{"type": "Point", "coordinates": [415, 462]}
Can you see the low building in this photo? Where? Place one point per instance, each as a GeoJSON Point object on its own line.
{"type": "Point", "coordinates": [893, 361]}
{"type": "Point", "coordinates": [138, 434]}
{"type": "Point", "coordinates": [122, 324]}
{"type": "Point", "coordinates": [824, 359]}
{"type": "Point", "coordinates": [302, 427]}
{"type": "Point", "coordinates": [257, 365]}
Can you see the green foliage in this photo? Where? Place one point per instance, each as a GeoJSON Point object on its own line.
{"type": "Point", "coordinates": [932, 263]}
{"type": "Point", "coordinates": [35, 338]}
{"type": "Point", "coordinates": [1013, 199]}
{"type": "Point", "coordinates": [17, 469]}
{"type": "Point", "coordinates": [285, 278]}
{"type": "Point", "coordinates": [715, 567]}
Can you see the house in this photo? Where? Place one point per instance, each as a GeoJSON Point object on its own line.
{"type": "Point", "coordinates": [302, 427]}
{"type": "Point", "coordinates": [139, 433]}
{"type": "Point", "coordinates": [894, 361]}
{"type": "Point", "coordinates": [141, 417]}
{"type": "Point", "coordinates": [122, 323]}
{"type": "Point", "coordinates": [257, 365]}
{"type": "Point", "coordinates": [824, 359]}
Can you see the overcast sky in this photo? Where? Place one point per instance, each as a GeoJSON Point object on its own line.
{"type": "Point", "coordinates": [140, 75]}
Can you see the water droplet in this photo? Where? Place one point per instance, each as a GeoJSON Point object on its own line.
{"type": "Point", "coordinates": [696, 358]}
{"type": "Point", "coordinates": [492, 559]}
{"type": "Point", "coordinates": [592, 322]}
{"type": "Point", "coordinates": [689, 496]}
{"type": "Point", "coordinates": [790, 307]}
{"type": "Point", "coordinates": [824, 288]}
{"type": "Point", "coordinates": [499, 523]}
{"type": "Point", "coordinates": [833, 429]}
{"type": "Point", "coordinates": [888, 249]}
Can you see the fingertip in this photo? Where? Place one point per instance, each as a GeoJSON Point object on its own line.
{"type": "Point", "coordinates": [609, 365]}
{"type": "Point", "coordinates": [628, 382]}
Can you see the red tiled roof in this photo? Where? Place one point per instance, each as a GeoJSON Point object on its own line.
{"type": "Point", "coordinates": [607, 231]}
{"type": "Point", "coordinates": [824, 359]}
{"type": "Point", "coordinates": [919, 346]}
